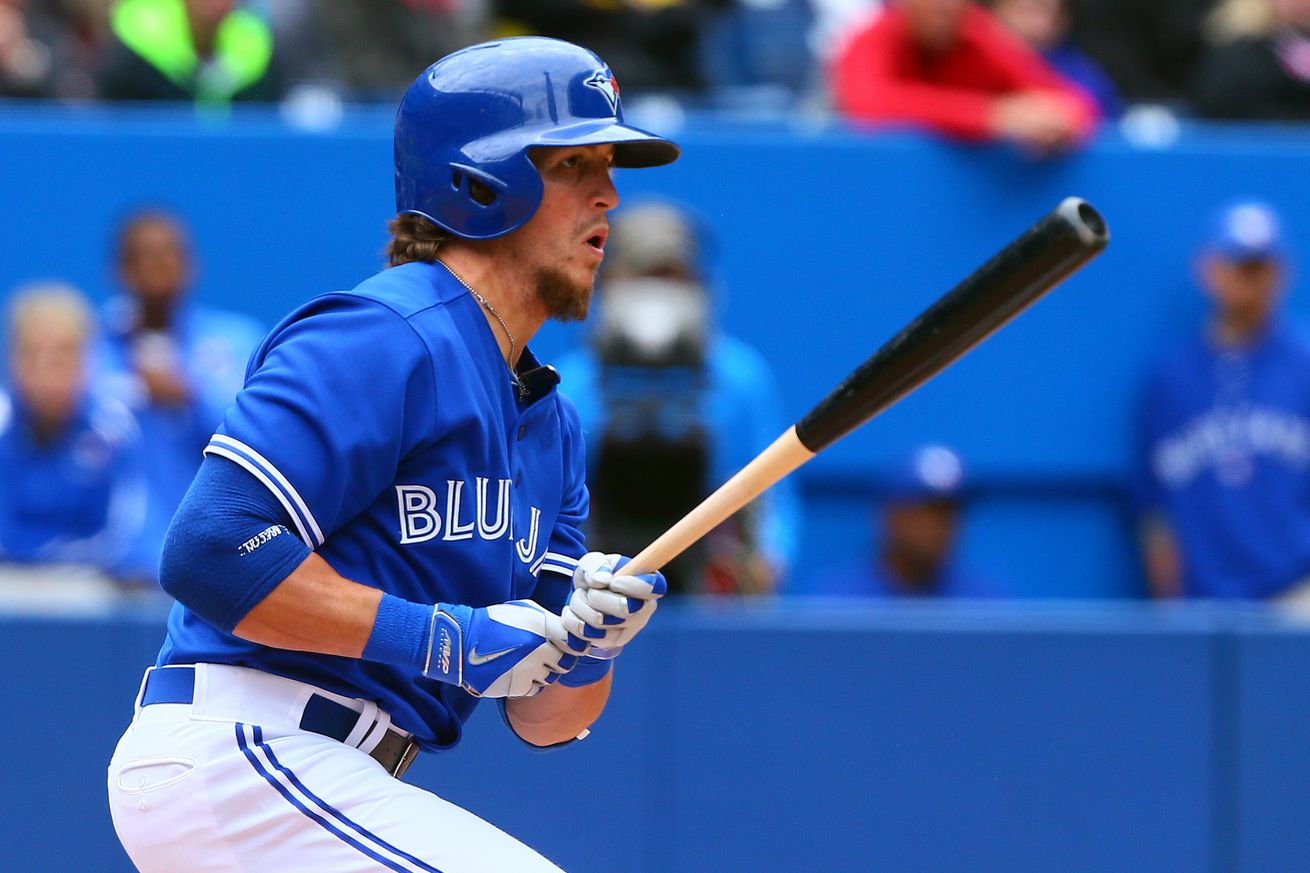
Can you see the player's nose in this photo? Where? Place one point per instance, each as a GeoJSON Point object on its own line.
{"type": "Point", "coordinates": [605, 195]}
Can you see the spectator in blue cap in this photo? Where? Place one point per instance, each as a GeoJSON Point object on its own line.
{"type": "Point", "coordinates": [1224, 430]}
{"type": "Point", "coordinates": [916, 528]}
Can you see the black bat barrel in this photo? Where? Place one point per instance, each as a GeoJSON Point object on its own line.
{"type": "Point", "coordinates": [1012, 280]}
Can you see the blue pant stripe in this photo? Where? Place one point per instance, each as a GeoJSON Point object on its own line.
{"type": "Point", "coordinates": [314, 815]}
{"type": "Point", "coordinates": [331, 810]}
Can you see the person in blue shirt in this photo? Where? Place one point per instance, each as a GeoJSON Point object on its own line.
{"type": "Point", "coordinates": [387, 524]}
{"type": "Point", "coordinates": [177, 365]}
{"type": "Point", "coordinates": [672, 407]}
{"type": "Point", "coordinates": [72, 487]}
{"type": "Point", "coordinates": [916, 528]}
{"type": "Point", "coordinates": [1223, 481]}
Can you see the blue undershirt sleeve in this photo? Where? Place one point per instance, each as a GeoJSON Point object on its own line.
{"type": "Point", "coordinates": [229, 545]}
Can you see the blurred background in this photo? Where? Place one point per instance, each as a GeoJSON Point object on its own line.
{"type": "Point", "coordinates": [1046, 614]}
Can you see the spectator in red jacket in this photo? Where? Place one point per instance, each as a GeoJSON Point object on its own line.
{"type": "Point", "coordinates": [951, 67]}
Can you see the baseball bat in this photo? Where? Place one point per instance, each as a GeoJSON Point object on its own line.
{"type": "Point", "coordinates": [1010, 281]}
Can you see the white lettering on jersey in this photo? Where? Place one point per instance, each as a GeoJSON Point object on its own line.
{"type": "Point", "coordinates": [419, 521]}
{"type": "Point", "coordinates": [500, 526]}
{"type": "Point", "coordinates": [1228, 441]}
{"type": "Point", "coordinates": [454, 529]}
{"type": "Point", "coordinates": [528, 548]}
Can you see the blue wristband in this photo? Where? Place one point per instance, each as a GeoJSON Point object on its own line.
{"type": "Point", "coordinates": [589, 671]}
{"type": "Point", "coordinates": [400, 633]}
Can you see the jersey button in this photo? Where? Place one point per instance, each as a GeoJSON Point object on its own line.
{"type": "Point", "coordinates": [523, 430]}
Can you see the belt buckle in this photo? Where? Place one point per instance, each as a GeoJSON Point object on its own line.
{"type": "Point", "coordinates": [406, 758]}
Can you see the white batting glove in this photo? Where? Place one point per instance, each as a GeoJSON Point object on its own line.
{"type": "Point", "coordinates": [510, 649]}
{"type": "Point", "coordinates": [608, 608]}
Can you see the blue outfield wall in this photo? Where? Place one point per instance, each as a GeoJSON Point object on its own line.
{"type": "Point", "coordinates": [805, 736]}
{"type": "Point", "coordinates": [828, 241]}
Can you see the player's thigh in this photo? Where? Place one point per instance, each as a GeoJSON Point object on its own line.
{"type": "Point", "coordinates": [348, 804]}
{"type": "Point", "coordinates": [297, 801]}
{"type": "Point", "coordinates": [166, 781]}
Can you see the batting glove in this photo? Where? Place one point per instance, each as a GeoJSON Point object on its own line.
{"type": "Point", "coordinates": [607, 607]}
{"type": "Point", "coordinates": [510, 649]}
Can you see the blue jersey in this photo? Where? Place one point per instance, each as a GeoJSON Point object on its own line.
{"type": "Point", "coordinates": [1225, 456]}
{"type": "Point", "coordinates": [208, 349]}
{"type": "Point", "coordinates": [79, 498]}
{"type": "Point", "coordinates": [388, 426]}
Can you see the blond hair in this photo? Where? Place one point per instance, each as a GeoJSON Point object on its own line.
{"type": "Point", "coordinates": [42, 306]}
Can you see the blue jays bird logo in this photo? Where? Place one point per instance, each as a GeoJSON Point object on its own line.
{"type": "Point", "coordinates": [604, 82]}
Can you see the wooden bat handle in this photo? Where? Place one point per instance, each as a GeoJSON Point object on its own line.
{"type": "Point", "coordinates": [784, 455]}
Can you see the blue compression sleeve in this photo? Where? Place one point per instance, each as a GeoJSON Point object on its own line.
{"type": "Point", "coordinates": [229, 545]}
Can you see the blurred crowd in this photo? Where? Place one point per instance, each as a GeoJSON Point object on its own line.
{"type": "Point", "coordinates": [1041, 72]}
{"type": "Point", "coordinates": [104, 412]}
{"type": "Point", "coordinates": [103, 416]}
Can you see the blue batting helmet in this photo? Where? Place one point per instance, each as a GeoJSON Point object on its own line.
{"type": "Point", "coordinates": [474, 115]}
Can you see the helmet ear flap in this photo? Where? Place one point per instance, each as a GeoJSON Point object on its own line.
{"type": "Point", "coordinates": [480, 189]}
{"type": "Point", "coordinates": [482, 201]}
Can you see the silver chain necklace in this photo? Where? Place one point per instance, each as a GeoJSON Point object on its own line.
{"type": "Point", "coordinates": [486, 304]}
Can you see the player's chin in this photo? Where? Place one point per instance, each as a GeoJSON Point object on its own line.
{"type": "Point", "coordinates": [566, 295]}
{"type": "Point", "coordinates": [578, 308]}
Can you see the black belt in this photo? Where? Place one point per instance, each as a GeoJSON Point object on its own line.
{"type": "Point", "coordinates": [322, 715]}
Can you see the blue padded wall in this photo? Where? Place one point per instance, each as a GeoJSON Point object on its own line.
{"type": "Point", "coordinates": [804, 736]}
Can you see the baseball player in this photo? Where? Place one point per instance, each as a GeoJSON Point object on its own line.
{"type": "Point", "coordinates": [1224, 429]}
{"type": "Point", "coordinates": [385, 527]}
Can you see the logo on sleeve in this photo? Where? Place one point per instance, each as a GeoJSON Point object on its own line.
{"type": "Point", "coordinates": [250, 545]}
{"type": "Point", "coordinates": [443, 653]}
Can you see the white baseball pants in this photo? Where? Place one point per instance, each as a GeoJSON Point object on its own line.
{"type": "Point", "coordinates": [229, 782]}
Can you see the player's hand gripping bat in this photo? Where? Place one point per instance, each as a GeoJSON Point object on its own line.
{"type": "Point", "coordinates": [1012, 280]}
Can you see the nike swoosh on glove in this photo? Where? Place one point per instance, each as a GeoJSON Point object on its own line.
{"type": "Point", "coordinates": [512, 649]}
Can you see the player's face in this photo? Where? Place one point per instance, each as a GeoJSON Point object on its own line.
{"type": "Point", "coordinates": [564, 242]}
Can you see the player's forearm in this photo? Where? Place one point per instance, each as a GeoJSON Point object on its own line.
{"type": "Point", "coordinates": [559, 713]}
{"type": "Point", "coordinates": [230, 557]}
{"type": "Point", "coordinates": [315, 609]}
{"type": "Point", "coordinates": [229, 560]}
